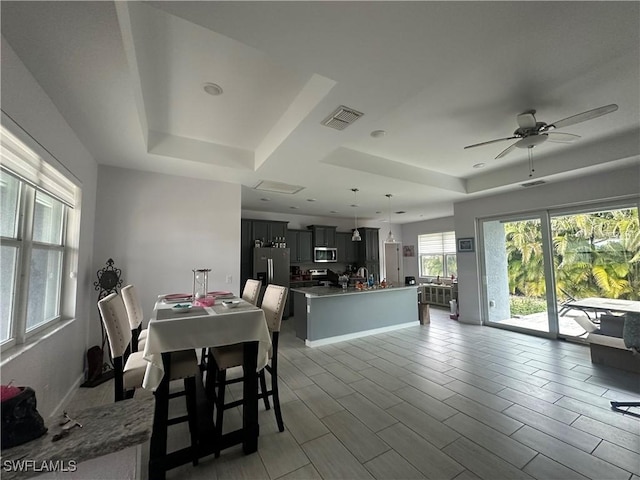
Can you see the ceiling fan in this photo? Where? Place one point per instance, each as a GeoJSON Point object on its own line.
{"type": "Point", "coordinates": [530, 132]}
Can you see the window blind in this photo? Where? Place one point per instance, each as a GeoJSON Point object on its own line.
{"type": "Point", "coordinates": [20, 160]}
{"type": "Point", "coordinates": [437, 243]}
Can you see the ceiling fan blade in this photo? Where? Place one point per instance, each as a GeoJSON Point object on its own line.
{"type": "Point", "coordinates": [506, 150]}
{"type": "Point", "coordinates": [490, 142]}
{"type": "Point", "coordinates": [527, 119]}
{"type": "Point", "coordinates": [561, 137]}
{"type": "Point", "coordinates": [583, 117]}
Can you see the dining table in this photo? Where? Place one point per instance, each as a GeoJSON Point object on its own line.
{"type": "Point", "coordinates": [173, 329]}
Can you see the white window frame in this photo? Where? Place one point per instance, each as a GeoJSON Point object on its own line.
{"type": "Point", "coordinates": [446, 248]}
{"type": "Point", "coordinates": [49, 181]}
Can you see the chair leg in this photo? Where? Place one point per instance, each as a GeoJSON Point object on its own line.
{"type": "Point", "coordinates": [276, 398]}
{"type": "Point", "coordinates": [118, 381]}
{"type": "Point", "coordinates": [192, 415]}
{"type": "Point", "coordinates": [263, 389]}
{"type": "Point", "coordinates": [135, 334]}
{"type": "Point", "coordinates": [204, 361]}
{"type": "Point", "coordinates": [221, 383]}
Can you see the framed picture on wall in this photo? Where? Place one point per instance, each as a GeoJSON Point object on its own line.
{"type": "Point", "coordinates": [465, 244]}
{"type": "Point", "coordinates": [408, 251]}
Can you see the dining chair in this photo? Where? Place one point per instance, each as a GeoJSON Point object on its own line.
{"type": "Point", "coordinates": [129, 367]}
{"type": "Point", "coordinates": [135, 315]}
{"type": "Point", "coordinates": [224, 358]}
{"type": "Point", "coordinates": [251, 291]}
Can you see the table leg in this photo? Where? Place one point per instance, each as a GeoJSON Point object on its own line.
{"type": "Point", "coordinates": [158, 442]}
{"type": "Point", "coordinates": [250, 398]}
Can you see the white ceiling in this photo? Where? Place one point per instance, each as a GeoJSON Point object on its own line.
{"type": "Point", "coordinates": [436, 76]}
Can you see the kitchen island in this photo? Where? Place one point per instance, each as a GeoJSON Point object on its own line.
{"type": "Point", "coordinates": [324, 315]}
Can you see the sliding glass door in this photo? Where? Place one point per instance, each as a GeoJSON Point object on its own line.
{"type": "Point", "coordinates": [596, 254]}
{"type": "Point", "coordinates": [515, 283]}
{"type": "Point", "coordinates": [535, 265]}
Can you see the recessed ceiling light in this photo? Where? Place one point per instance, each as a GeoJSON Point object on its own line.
{"type": "Point", "coordinates": [265, 199]}
{"type": "Point", "coordinates": [293, 208]}
{"type": "Point", "coordinates": [378, 133]}
{"type": "Point", "coordinates": [212, 89]}
{"type": "Point", "coordinates": [311, 199]}
{"type": "Point", "coordinates": [479, 165]}
{"type": "Point", "coordinates": [333, 211]}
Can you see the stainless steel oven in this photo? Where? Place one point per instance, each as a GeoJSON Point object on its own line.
{"type": "Point", "coordinates": [325, 254]}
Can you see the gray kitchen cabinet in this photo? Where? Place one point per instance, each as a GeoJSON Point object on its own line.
{"type": "Point", "coordinates": [346, 248]}
{"type": "Point", "coordinates": [268, 231]}
{"type": "Point", "coordinates": [323, 235]}
{"type": "Point", "coordinates": [299, 241]}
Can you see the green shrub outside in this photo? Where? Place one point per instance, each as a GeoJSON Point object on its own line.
{"type": "Point", "coordinates": [526, 305]}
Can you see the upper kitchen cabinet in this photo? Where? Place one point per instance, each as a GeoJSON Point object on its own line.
{"type": "Point", "coordinates": [368, 247]}
{"type": "Point", "coordinates": [299, 243]}
{"type": "Point", "coordinates": [346, 248]}
{"type": "Point", "coordinates": [368, 251]}
{"type": "Point", "coordinates": [323, 235]}
{"type": "Point", "coordinates": [268, 231]}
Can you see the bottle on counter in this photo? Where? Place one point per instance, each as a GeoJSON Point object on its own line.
{"type": "Point", "coordinates": [370, 280]}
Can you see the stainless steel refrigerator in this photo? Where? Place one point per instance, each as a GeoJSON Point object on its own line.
{"type": "Point", "coordinates": [271, 265]}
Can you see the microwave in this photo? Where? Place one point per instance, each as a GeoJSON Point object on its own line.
{"type": "Point", "coordinates": [325, 254]}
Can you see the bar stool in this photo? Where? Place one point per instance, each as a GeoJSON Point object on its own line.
{"type": "Point", "coordinates": [223, 358]}
{"type": "Point", "coordinates": [129, 368]}
{"type": "Point", "coordinates": [251, 291]}
{"type": "Point", "coordinates": [135, 315]}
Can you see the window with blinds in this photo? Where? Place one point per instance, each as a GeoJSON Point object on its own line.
{"type": "Point", "coordinates": [35, 204]}
{"type": "Point", "coordinates": [437, 254]}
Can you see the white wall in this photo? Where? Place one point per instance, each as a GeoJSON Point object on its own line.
{"type": "Point", "coordinates": [604, 186]}
{"type": "Point", "coordinates": [158, 228]}
{"type": "Point", "coordinates": [54, 364]}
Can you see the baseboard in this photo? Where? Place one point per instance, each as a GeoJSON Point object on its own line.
{"type": "Point", "coordinates": [104, 377]}
{"type": "Point", "coordinates": [65, 400]}
{"type": "Point", "coordinates": [364, 333]}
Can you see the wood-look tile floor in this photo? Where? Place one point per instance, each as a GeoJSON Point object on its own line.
{"type": "Point", "coordinates": [439, 401]}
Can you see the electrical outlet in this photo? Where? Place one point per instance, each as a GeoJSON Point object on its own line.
{"type": "Point", "coordinates": [229, 279]}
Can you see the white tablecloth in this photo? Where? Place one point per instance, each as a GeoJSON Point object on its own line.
{"type": "Point", "coordinates": [221, 326]}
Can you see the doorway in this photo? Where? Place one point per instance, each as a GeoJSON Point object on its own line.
{"type": "Point", "coordinates": [393, 263]}
{"type": "Point", "coordinates": [515, 283]}
{"type": "Point", "coordinates": [534, 265]}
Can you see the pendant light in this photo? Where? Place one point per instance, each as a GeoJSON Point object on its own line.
{"type": "Point", "coordinates": [390, 238]}
{"type": "Point", "coordinates": [356, 234]}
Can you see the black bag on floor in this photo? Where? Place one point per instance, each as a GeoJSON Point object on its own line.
{"type": "Point", "coordinates": [21, 421]}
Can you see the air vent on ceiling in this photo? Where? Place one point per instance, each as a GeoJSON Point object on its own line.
{"type": "Point", "coordinates": [278, 187]}
{"type": "Point", "coordinates": [341, 118]}
{"type": "Point", "coordinates": [533, 184]}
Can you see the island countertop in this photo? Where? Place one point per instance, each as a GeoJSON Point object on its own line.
{"type": "Point", "coordinates": [310, 292]}
{"type": "Point", "coordinates": [324, 315]}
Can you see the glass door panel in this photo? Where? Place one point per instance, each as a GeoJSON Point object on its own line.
{"type": "Point", "coordinates": [514, 268]}
{"type": "Point", "coordinates": [596, 254]}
